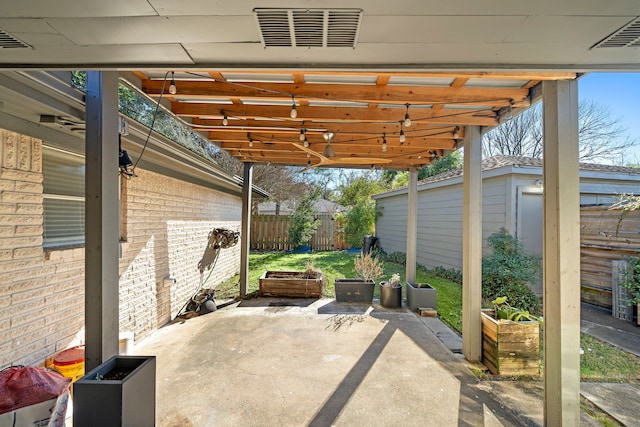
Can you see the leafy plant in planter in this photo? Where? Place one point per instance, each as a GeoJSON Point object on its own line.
{"type": "Point", "coordinates": [391, 292]}
{"type": "Point", "coordinates": [510, 339]}
{"type": "Point", "coordinates": [508, 271]}
{"type": "Point", "coordinates": [360, 289]}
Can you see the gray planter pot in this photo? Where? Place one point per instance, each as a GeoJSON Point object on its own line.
{"type": "Point", "coordinates": [390, 297]}
{"type": "Point", "coordinates": [354, 291]}
{"type": "Point", "coordinates": [421, 295]}
{"type": "Point", "coordinates": [130, 401]}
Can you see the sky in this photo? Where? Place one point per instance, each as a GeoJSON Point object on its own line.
{"type": "Point", "coordinates": [620, 92]}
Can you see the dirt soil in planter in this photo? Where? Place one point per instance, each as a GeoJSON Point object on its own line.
{"type": "Point", "coordinates": [303, 275]}
{"type": "Point", "coordinates": [117, 374]}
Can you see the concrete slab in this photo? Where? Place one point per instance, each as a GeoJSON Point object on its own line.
{"type": "Point", "coordinates": [265, 364]}
{"type": "Point", "coordinates": [620, 401]}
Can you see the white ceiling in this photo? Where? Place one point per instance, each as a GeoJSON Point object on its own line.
{"type": "Point", "coordinates": [400, 34]}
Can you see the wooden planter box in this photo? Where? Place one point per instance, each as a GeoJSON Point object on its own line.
{"type": "Point", "coordinates": [130, 401]}
{"type": "Point", "coordinates": [510, 348]}
{"type": "Point", "coordinates": [289, 284]}
{"type": "Point", "coordinates": [354, 291]}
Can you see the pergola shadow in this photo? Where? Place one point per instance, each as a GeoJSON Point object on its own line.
{"type": "Point", "coordinates": [472, 400]}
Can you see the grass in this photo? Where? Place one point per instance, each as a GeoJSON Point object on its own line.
{"type": "Point", "coordinates": [600, 361]}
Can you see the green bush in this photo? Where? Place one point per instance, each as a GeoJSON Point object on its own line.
{"type": "Point", "coordinates": [304, 221]}
{"type": "Point", "coordinates": [450, 274]}
{"type": "Point", "coordinates": [360, 221]}
{"type": "Point", "coordinates": [508, 271]}
{"type": "Point", "coordinates": [632, 280]}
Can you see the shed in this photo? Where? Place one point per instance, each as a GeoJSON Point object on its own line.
{"type": "Point", "coordinates": [512, 189]}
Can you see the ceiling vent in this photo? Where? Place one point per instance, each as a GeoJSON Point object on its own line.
{"type": "Point", "coordinates": [627, 36]}
{"type": "Point", "coordinates": [308, 27]}
{"type": "Point", "coordinates": [7, 41]}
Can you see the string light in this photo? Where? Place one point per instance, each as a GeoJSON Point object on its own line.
{"type": "Point", "coordinates": [456, 132]}
{"type": "Point", "coordinates": [225, 119]}
{"type": "Point", "coordinates": [407, 119]}
{"type": "Point", "coordinates": [250, 140]}
{"type": "Point", "coordinates": [384, 143]}
{"type": "Point", "coordinates": [402, 138]}
{"type": "Point", "coordinates": [302, 135]}
{"type": "Point", "coordinates": [294, 112]}
{"type": "Point", "coordinates": [306, 142]}
{"type": "Point", "coordinates": [173, 89]}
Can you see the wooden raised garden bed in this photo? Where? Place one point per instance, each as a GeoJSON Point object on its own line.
{"type": "Point", "coordinates": [510, 348]}
{"type": "Point", "coordinates": [296, 284]}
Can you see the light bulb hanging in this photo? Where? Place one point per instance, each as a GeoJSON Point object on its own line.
{"type": "Point", "coordinates": [294, 111]}
{"type": "Point", "coordinates": [173, 89]}
{"type": "Point", "coordinates": [402, 138]}
{"type": "Point", "coordinates": [225, 119]}
{"type": "Point", "coordinates": [306, 142]}
{"type": "Point", "coordinates": [456, 132]}
{"type": "Point", "coordinates": [407, 119]}
{"type": "Point", "coordinates": [250, 140]}
{"type": "Point", "coordinates": [384, 143]}
{"type": "Point", "coordinates": [302, 135]}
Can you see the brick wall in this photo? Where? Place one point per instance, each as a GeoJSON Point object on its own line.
{"type": "Point", "coordinates": [165, 222]}
{"type": "Point", "coordinates": [167, 228]}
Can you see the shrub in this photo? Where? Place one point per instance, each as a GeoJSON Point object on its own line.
{"type": "Point", "coordinates": [632, 280]}
{"type": "Point", "coordinates": [303, 221]}
{"type": "Point", "coordinates": [450, 274]}
{"type": "Point", "coordinates": [508, 271]}
{"type": "Point", "coordinates": [360, 221]}
{"type": "Point", "coordinates": [368, 267]}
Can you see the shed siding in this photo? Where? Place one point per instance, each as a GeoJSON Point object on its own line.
{"type": "Point", "coordinates": [391, 226]}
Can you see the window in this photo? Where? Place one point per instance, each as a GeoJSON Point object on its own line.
{"type": "Point", "coordinates": [63, 182]}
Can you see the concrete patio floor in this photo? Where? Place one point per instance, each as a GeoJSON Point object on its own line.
{"type": "Point", "coordinates": [263, 362]}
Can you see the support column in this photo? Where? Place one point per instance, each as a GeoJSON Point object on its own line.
{"type": "Point", "coordinates": [561, 254]}
{"type": "Point", "coordinates": [472, 246]}
{"type": "Point", "coordinates": [245, 231]}
{"type": "Point", "coordinates": [101, 218]}
{"type": "Point", "coordinates": [412, 225]}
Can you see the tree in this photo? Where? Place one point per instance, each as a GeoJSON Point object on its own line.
{"type": "Point", "coordinates": [304, 221]}
{"type": "Point", "coordinates": [395, 179]}
{"type": "Point", "coordinates": [601, 136]}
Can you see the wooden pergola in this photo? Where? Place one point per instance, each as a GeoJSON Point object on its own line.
{"type": "Point", "coordinates": [458, 68]}
{"type": "Point", "coordinates": [248, 113]}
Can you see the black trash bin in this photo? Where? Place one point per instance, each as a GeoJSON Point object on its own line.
{"type": "Point", "coordinates": [369, 243]}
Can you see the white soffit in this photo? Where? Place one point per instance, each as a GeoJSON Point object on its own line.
{"type": "Point", "coordinates": [258, 78]}
{"type": "Point", "coordinates": [420, 81]}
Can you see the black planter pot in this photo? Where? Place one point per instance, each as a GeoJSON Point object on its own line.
{"type": "Point", "coordinates": [354, 291]}
{"type": "Point", "coordinates": [130, 401]}
{"type": "Point", "coordinates": [421, 295]}
{"type": "Point", "coordinates": [390, 297]}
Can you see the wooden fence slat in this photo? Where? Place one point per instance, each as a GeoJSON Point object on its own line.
{"type": "Point", "coordinates": [271, 233]}
{"type": "Point", "coordinates": [603, 239]}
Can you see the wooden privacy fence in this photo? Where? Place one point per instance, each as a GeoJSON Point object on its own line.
{"type": "Point", "coordinates": [271, 233]}
{"type": "Point", "coordinates": [603, 239]}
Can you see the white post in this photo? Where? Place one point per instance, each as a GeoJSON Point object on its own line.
{"type": "Point", "coordinates": [472, 246]}
{"type": "Point", "coordinates": [561, 254]}
{"type": "Point", "coordinates": [412, 225]}
{"type": "Point", "coordinates": [101, 218]}
{"type": "Point", "coordinates": [245, 230]}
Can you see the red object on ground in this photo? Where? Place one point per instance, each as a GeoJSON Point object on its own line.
{"type": "Point", "coordinates": [25, 386]}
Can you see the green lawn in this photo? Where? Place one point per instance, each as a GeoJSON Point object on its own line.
{"type": "Point", "coordinates": [600, 361]}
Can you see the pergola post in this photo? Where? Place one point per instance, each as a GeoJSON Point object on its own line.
{"type": "Point", "coordinates": [412, 225]}
{"type": "Point", "coordinates": [561, 254]}
{"type": "Point", "coordinates": [245, 230]}
{"type": "Point", "coordinates": [472, 246]}
{"type": "Point", "coordinates": [101, 218]}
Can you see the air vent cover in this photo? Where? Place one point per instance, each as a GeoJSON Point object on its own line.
{"type": "Point", "coordinates": [7, 41]}
{"type": "Point", "coordinates": [308, 27]}
{"type": "Point", "coordinates": [627, 36]}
